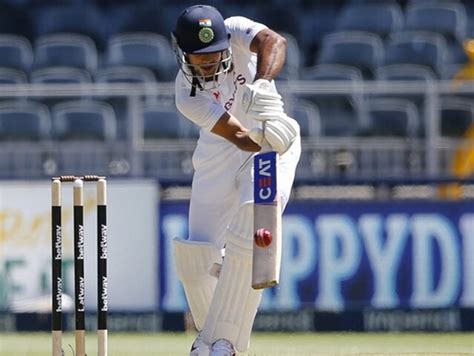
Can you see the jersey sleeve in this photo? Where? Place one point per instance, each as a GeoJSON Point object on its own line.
{"type": "Point", "coordinates": [202, 108]}
{"type": "Point", "coordinates": [242, 30]}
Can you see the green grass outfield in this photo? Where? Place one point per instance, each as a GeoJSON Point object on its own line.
{"type": "Point", "coordinates": [39, 344]}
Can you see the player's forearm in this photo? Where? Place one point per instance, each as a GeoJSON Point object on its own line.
{"type": "Point", "coordinates": [233, 131]}
{"type": "Point", "coordinates": [271, 54]}
{"type": "Point", "coordinates": [245, 143]}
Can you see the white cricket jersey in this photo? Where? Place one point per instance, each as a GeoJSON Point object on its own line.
{"type": "Point", "coordinates": [207, 106]}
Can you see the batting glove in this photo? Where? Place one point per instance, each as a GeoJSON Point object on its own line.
{"type": "Point", "coordinates": [279, 132]}
{"type": "Point", "coordinates": [260, 99]}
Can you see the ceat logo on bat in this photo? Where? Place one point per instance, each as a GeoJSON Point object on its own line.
{"type": "Point", "coordinates": [265, 179]}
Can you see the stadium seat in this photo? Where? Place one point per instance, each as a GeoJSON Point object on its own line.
{"type": "Point", "coordinates": [124, 75]}
{"type": "Point", "coordinates": [405, 72]}
{"type": "Point", "coordinates": [308, 116]}
{"type": "Point", "coordinates": [12, 76]}
{"type": "Point", "coordinates": [22, 120]}
{"type": "Point", "coordinates": [60, 75]}
{"type": "Point", "coordinates": [310, 32]}
{"type": "Point", "coordinates": [83, 18]}
{"type": "Point", "coordinates": [84, 120]}
{"type": "Point", "coordinates": [166, 122]}
{"type": "Point", "coordinates": [149, 50]}
{"type": "Point", "coordinates": [15, 52]}
{"type": "Point", "coordinates": [456, 115]}
{"type": "Point", "coordinates": [358, 49]}
{"type": "Point", "coordinates": [143, 16]}
{"type": "Point", "coordinates": [408, 73]}
{"type": "Point", "coordinates": [65, 49]}
{"type": "Point", "coordinates": [331, 72]}
{"type": "Point", "coordinates": [449, 71]}
{"type": "Point", "coordinates": [422, 48]}
{"type": "Point", "coordinates": [341, 113]}
{"type": "Point", "coordinates": [446, 18]}
{"type": "Point", "coordinates": [379, 18]}
{"type": "Point", "coordinates": [391, 117]}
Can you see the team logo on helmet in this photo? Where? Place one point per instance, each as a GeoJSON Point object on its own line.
{"type": "Point", "coordinates": [205, 22]}
{"type": "Point", "coordinates": [206, 34]}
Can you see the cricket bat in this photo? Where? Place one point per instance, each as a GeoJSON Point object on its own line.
{"type": "Point", "coordinates": [267, 222]}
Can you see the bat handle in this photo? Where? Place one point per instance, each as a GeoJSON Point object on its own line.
{"type": "Point", "coordinates": [265, 147]}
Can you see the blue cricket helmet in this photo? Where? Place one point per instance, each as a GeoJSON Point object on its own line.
{"type": "Point", "coordinates": [200, 29]}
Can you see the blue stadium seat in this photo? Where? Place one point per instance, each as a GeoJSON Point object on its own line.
{"type": "Point", "coordinates": [422, 48]}
{"type": "Point", "coordinates": [165, 122]}
{"type": "Point", "coordinates": [310, 32]}
{"type": "Point", "coordinates": [456, 115]}
{"type": "Point", "coordinates": [341, 113]}
{"type": "Point", "coordinates": [149, 50]}
{"type": "Point", "coordinates": [379, 18]}
{"type": "Point", "coordinates": [84, 18]}
{"type": "Point", "coordinates": [22, 120]}
{"type": "Point", "coordinates": [358, 49]}
{"type": "Point", "coordinates": [331, 72]}
{"type": "Point", "coordinates": [124, 75]}
{"type": "Point", "coordinates": [60, 75]}
{"type": "Point", "coordinates": [84, 120]}
{"type": "Point", "coordinates": [308, 116]}
{"type": "Point", "coordinates": [446, 18]}
{"type": "Point", "coordinates": [65, 49]}
{"type": "Point", "coordinates": [15, 52]}
{"type": "Point", "coordinates": [390, 117]}
{"type": "Point", "coordinates": [12, 76]}
{"type": "Point", "coordinates": [405, 72]}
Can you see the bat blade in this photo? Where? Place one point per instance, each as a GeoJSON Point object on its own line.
{"type": "Point", "coordinates": [267, 222]}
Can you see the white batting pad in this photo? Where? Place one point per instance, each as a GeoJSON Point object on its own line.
{"type": "Point", "coordinates": [234, 305]}
{"type": "Point", "coordinates": [193, 261]}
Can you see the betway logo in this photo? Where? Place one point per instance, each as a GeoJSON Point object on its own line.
{"type": "Point", "coordinates": [104, 294]}
{"type": "Point", "coordinates": [103, 242]}
{"type": "Point", "coordinates": [80, 243]}
{"type": "Point", "coordinates": [58, 243]}
{"type": "Point", "coordinates": [81, 296]}
{"type": "Point", "coordinates": [59, 299]}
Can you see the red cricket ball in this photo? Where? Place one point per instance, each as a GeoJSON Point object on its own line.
{"type": "Point", "coordinates": [263, 238]}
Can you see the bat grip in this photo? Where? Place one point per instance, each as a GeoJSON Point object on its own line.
{"type": "Point", "coordinates": [265, 147]}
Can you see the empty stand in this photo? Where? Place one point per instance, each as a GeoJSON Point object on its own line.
{"type": "Point", "coordinates": [340, 112]}
{"type": "Point", "coordinates": [422, 48]}
{"type": "Point", "coordinates": [84, 120]}
{"type": "Point", "coordinates": [457, 114]}
{"type": "Point", "coordinates": [15, 52]}
{"type": "Point", "coordinates": [22, 120]}
{"type": "Point", "coordinates": [65, 49]}
{"type": "Point", "coordinates": [447, 18]}
{"type": "Point", "coordinates": [358, 49]}
{"type": "Point", "coordinates": [392, 117]}
{"type": "Point", "coordinates": [380, 18]}
{"type": "Point", "coordinates": [149, 50]}
{"type": "Point", "coordinates": [406, 72]}
{"type": "Point", "coordinates": [60, 75]}
{"type": "Point", "coordinates": [124, 75]}
{"type": "Point", "coordinates": [82, 18]}
{"type": "Point", "coordinates": [165, 122]}
{"type": "Point", "coordinates": [12, 76]}
{"type": "Point", "coordinates": [308, 116]}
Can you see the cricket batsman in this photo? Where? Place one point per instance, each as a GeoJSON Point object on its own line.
{"type": "Point", "coordinates": [225, 86]}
